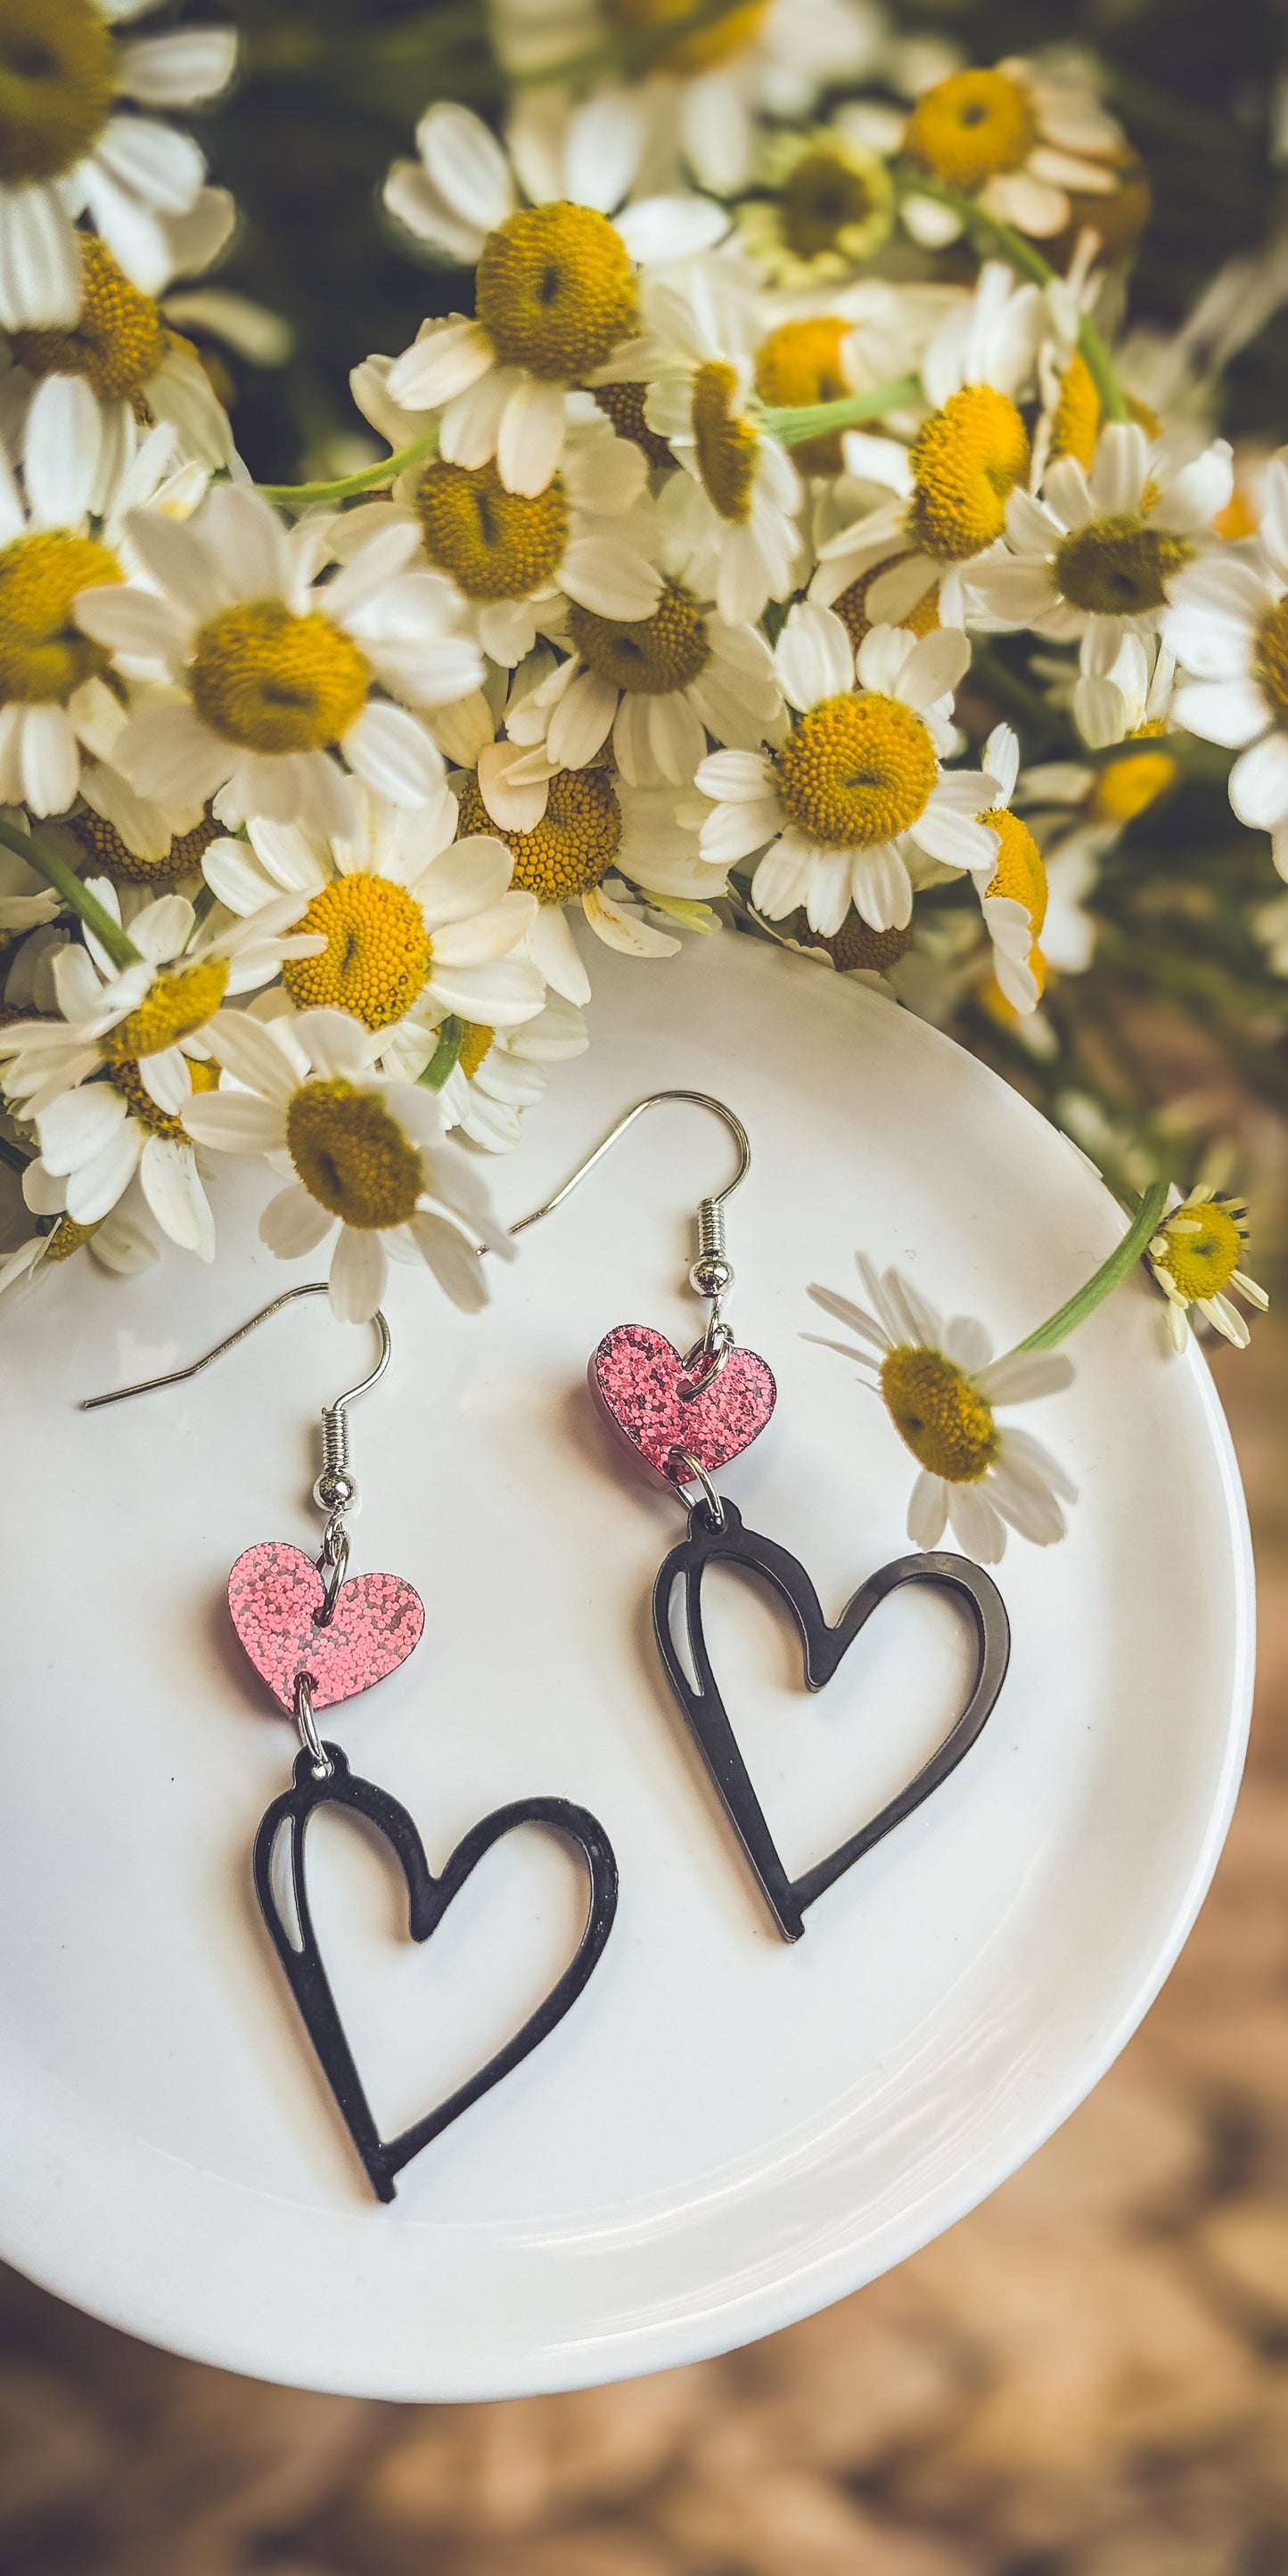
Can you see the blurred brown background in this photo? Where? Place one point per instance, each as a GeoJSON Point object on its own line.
{"type": "Point", "coordinates": [1088, 2377]}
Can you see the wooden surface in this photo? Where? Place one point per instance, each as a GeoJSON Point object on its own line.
{"type": "Point", "coordinates": [1088, 2377]}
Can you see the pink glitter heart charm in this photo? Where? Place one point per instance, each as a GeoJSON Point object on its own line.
{"type": "Point", "coordinates": [273, 1593]}
{"type": "Point", "coordinates": [637, 1376]}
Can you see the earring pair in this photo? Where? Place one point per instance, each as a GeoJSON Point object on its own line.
{"type": "Point", "coordinates": [318, 1636]}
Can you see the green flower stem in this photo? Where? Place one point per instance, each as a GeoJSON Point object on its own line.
{"type": "Point", "coordinates": [451, 1038]}
{"type": "Point", "coordinates": [1123, 1258]}
{"type": "Point", "coordinates": [66, 883]}
{"type": "Point", "coordinates": [633, 50]}
{"type": "Point", "coordinates": [813, 420]}
{"type": "Point", "coordinates": [297, 496]}
{"type": "Point", "coordinates": [993, 234]}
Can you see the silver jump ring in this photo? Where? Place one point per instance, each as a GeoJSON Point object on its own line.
{"type": "Point", "coordinates": [696, 1474]}
{"type": "Point", "coordinates": [713, 1353]}
{"type": "Point", "coordinates": [688, 1392]}
{"type": "Point", "coordinates": [308, 1729]}
{"type": "Point", "coordinates": [331, 1566]}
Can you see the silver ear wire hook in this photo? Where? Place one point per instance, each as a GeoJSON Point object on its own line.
{"type": "Point", "coordinates": [335, 1491]}
{"type": "Point", "coordinates": [711, 1275]}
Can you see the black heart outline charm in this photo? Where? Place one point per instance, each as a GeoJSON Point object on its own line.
{"type": "Point", "coordinates": [824, 1646]}
{"type": "Point", "coordinates": [428, 1901]}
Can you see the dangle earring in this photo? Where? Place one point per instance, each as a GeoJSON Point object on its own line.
{"type": "Point", "coordinates": [316, 1636]}
{"type": "Point", "coordinates": [685, 1419]}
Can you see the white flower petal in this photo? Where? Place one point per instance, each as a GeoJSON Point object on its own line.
{"type": "Point", "coordinates": [531, 435]}
{"type": "Point", "coordinates": [1259, 784]}
{"type": "Point", "coordinates": [293, 1223]}
{"type": "Point", "coordinates": [359, 1269]}
{"type": "Point", "coordinates": [814, 657]}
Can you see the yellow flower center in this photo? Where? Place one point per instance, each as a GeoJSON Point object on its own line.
{"type": "Point", "coordinates": [57, 81]}
{"type": "Point", "coordinates": [43, 653]}
{"type": "Point", "coordinates": [1272, 654]}
{"type": "Point", "coordinates": [572, 847]}
{"type": "Point", "coordinates": [110, 854]}
{"type": "Point", "coordinates": [1125, 787]}
{"type": "Point", "coordinates": [476, 1038]}
{"type": "Point", "coordinates": [1076, 425]}
{"type": "Point", "coordinates": [800, 363]}
{"type": "Point", "coordinates": [966, 461]}
{"type": "Point", "coordinates": [173, 1008]}
{"type": "Point", "coordinates": [939, 1413]}
{"type": "Point", "coordinates": [1203, 1262]}
{"type": "Point", "coordinates": [835, 199]}
{"type": "Point", "coordinates": [555, 290]}
{"type": "Point", "coordinates": [855, 945]}
{"type": "Point", "coordinates": [1020, 874]}
{"type": "Point", "coordinates": [856, 770]}
{"type": "Point", "coordinates": [852, 606]}
{"type": "Point", "coordinates": [724, 441]}
{"type": "Point", "coordinates": [67, 1237]}
{"type": "Point", "coordinates": [118, 342]}
{"type": "Point", "coordinates": [624, 405]}
{"type": "Point", "coordinates": [268, 680]}
{"type": "Point", "coordinates": [126, 1078]}
{"type": "Point", "coordinates": [649, 656]}
{"type": "Point", "coordinates": [733, 30]}
{"type": "Point", "coordinates": [495, 544]}
{"type": "Point", "coordinates": [377, 952]}
{"type": "Point", "coordinates": [352, 1156]}
{"type": "Point", "coordinates": [1119, 566]}
{"type": "Point", "coordinates": [971, 127]}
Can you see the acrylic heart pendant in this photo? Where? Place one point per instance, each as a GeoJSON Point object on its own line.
{"type": "Point", "coordinates": [428, 1899]}
{"type": "Point", "coordinates": [640, 1381]}
{"type": "Point", "coordinates": [825, 1647]}
{"type": "Point", "coordinates": [275, 1593]}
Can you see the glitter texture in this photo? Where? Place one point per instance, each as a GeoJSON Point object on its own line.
{"type": "Point", "coordinates": [637, 1376]}
{"type": "Point", "coordinates": [273, 1594]}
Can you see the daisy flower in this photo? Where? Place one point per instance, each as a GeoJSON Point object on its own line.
{"type": "Point", "coordinates": [949, 509]}
{"type": "Point", "coordinates": [516, 558]}
{"type": "Point", "coordinates": [135, 365]}
{"type": "Point", "coordinates": [698, 359]}
{"type": "Point", "coordinates": [555, 286]}
{"type": "Point", "coordinates": [95, 1139]}
{"type": "Point", "coordinates": [144, 1018]}
{"type": "Point", "coordinates": [1095, 557]}
{"type": "Point", "coordinates": [53, 700]}
{"type": "Point", "coordinates": [940, 1385]}
{"type": "Point", "coordinates": [501, 1072]}
{"type": "Point", "coordinates": [1228, 627]}
{"type": "Point", "coordinates": [118, 1242]}
{"type": "Point", "coordinates": [65, 153]}
{"type": "Point", "coordinates": [359, 1149]}
{"type": "Point", "coordinates": [1195, 1258]}
{"type": "Point", "coordinates": [1020, 138]}
{"type": "Point", "coordinates": [402, 917]}
{"type": "Point", "coordinates": [857, 788]}
{"type": "Point", "coordinates": [271, 672]}
{"type": "Point", "coordinates": [829, 207]}
{"type": "Point", "coordinates": [708, 89]}
{"type": "Point", "coordinates": [1131, 702]}
{"type": "Point", "coordinates": [819, 351]}
{"type": "Point", "coordinates": [593, 831]}
{"type": "Point", "coordinates": [657, 685]}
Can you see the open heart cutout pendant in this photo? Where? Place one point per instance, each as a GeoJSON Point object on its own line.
{"type": "Point", "coordinates": [704, 1710]}
{"type": "Point", "coordinates": [428, 1901]}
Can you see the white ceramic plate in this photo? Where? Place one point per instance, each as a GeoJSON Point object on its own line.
{"type": "Point", "coordinates": [725, 2133]}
